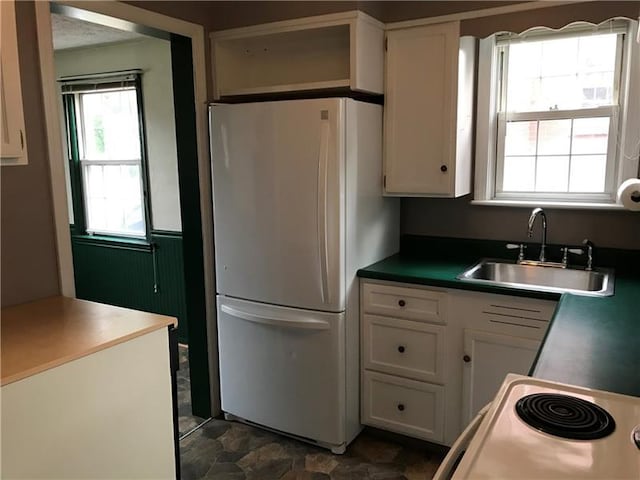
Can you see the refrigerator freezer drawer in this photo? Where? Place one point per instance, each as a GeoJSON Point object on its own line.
{"type": "Point", "coordinates": [283, 368]}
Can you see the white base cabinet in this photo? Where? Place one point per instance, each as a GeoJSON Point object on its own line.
{"type": "Point", "coordinates": [105, 415]}
{"type": "Point", "coordinates": [432, 358]}
{"type": "Point", "coordinates": [488, 358]}
{"type": "Point", "coordinates": [500, 335]}
{"type": "Point", "coordinates": [403, 356]}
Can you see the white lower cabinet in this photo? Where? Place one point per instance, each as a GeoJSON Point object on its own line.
{"type": "Point", "coordinates": [488, 358]}
{"type": "Point", "coordinates": [403, 337]}
{"type": "Point", "coordinates": [432, 357]}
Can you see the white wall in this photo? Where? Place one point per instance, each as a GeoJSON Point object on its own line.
{"type": "Point", "coordinates": [153, 57]}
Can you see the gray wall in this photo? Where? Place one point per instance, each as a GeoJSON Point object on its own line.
{"type": "Point", "coordinates": [458, 218]}
{"type": "Point", "coordinates": [28, 245]}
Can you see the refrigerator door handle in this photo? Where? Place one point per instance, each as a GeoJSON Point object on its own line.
{"type": "Point", "coordinates": [323, 160]}
{"type": "Point", "coordinates": [301, 323]}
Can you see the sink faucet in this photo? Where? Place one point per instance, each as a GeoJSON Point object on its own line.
{"type": "Point", "coordinates": [532, 219]}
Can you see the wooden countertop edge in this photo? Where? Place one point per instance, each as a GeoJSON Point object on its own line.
{"type": "Point", "coordinates": [70, 314]}
{"type": "Point", "coordinates": [42, 367]}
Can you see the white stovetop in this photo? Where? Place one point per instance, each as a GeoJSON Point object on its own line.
{"type": "Point", "coordinates": [506, 448]}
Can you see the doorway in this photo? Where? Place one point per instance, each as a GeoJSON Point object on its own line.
{"type": "Point", "coordinates": [153, 257]}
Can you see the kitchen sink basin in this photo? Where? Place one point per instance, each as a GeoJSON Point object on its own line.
{"type": "Point", "coordinates": [596, 282]}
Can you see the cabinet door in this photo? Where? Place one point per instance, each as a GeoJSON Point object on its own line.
{"type": "Point", "coordinates": [420, 109]}
{"type": "Point", "coordinates": [488, 357]}
{"type": "Point", "coordinates": [12, 147]}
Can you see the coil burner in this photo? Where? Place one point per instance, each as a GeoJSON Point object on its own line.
{"type": "Point", "coordinates": [565, 416]}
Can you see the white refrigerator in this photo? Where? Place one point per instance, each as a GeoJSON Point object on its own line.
{"type": "Point", "coordinates": [298, 208]}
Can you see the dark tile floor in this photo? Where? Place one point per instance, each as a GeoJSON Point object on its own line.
{"type": "Point", "coordinates": [224, 450]}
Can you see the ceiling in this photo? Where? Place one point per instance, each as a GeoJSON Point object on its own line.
{"type": "Point", "coordinates": [72, 33]}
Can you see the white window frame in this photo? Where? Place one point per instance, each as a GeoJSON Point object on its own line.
{"type": "Point", "coordinates": [86, 162]}
{"type": "Point", "coordinates": [624, 126]}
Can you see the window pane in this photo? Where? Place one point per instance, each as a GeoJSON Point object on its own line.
{"type": "Point", "coordinates": [521, 138]}
{"type": "Point", "coordinates": [587, 173]}
{"type": "Point", "coordinates": [590, 135]}
{"type": "Point", "coordinates": [110, 125]}
{"type": "Point", "coordinates": [114, 199]}
{"type": "Point", "coordinates": [554, 137]}
{"type": "Point", "coordinates": [552, 174]}
{"type": "Point", "coordinates": [519, 174]}
{"type": "Point", "coordinates": [564, 73]}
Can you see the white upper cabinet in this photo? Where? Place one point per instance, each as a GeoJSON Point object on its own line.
{"type": "Point", "coordinates": [343, 50]}
{"type": "Point", "coordinates": [429, 82]}
{"type": "Point", "coordinates": [13, 147]}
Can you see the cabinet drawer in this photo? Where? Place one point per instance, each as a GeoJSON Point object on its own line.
{"type": "Point", "coordinates": [401, 302]}
{"type": "Point", "coordinates": [404, 406]}
{"type": "Point", "coordinates": [402, 347]}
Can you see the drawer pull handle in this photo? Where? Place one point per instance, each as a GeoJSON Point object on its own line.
{"type": "Point", "coordinates": [401, 348]}
{"type": "Point", "coordinates": [466, 359]}
{"type": "Point", "coordinates": [401, 407]}
{"type": "Point", "coordinates": [402, 303]}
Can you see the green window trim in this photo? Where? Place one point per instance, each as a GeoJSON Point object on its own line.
{"type": "Point", "coordinates": [79, 227]}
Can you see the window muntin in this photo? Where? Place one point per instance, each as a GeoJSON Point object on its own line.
{"type": "Point", "coordinates": [557, 116]}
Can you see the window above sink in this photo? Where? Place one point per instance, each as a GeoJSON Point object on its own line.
{"type": "Point", "coordinates": [557, 120]}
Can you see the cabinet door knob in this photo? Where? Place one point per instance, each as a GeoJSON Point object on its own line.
{"type": "Point", "coordinates": [401, 407]}
{"type": "Point", "coordinates": [443, 168]}
{"type": "Point", "coordinates": [401, 348]}
{"type": "Point", "coordinates": [466, 358]}
{"type": "Point", "coordinates": [402, 303]}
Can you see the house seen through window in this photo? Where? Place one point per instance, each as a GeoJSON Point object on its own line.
{"type": "Point", "coordinates": [106, 151]}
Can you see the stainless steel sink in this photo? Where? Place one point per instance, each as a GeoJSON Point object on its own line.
{"type": "Point", "coordinates": [597, 282]}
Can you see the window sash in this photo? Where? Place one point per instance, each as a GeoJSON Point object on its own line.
{"type": "Point", "coordinates": [85, 192]}
{"type": "Point", "coordinates": [80, 122]}
{"type": "Point", "coordinates": [611, 112]}
{"type": "Point", "coordinates": [503, 59]}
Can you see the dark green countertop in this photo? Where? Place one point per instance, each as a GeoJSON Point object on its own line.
{"type": "Point", "coordinates": [591, 341]}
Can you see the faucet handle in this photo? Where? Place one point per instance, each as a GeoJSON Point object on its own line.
{"type": "Point", "coordinates": [521, 246]}
{"type": "Point", "coordinates": [566, 251]}
{"type": "Point", "coordinates": [589, 244]}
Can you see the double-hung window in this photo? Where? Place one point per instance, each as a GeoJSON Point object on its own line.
{"type": "Point", "coordinates": [106, 149]}
{"type": "Point", "coordinates": [553, 115]}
